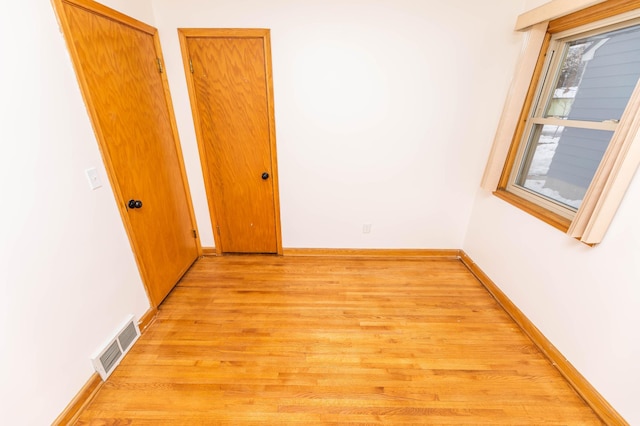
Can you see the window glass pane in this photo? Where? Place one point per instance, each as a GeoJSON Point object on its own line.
{"type": "Point", "coordinates": [597, 76]}
{"type": "Point", "coordinates": [560, 162]}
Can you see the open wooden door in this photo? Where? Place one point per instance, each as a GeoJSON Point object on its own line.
{"type": "Point", "coordinates": [230, 86]}
{"type": "Point", "coordinates": [118, 63]}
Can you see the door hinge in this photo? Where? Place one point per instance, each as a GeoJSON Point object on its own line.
{"type": "Point", "coordinates": [218, 228]}
{"type": "Point", "coordinates": [159, 65]}
{"type": "Point", "coordinates": [195, 234]}
{"type": "Point", "coordinates": [191, 65]}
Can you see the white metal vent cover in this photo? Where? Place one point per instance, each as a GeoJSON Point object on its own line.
{"type": "Point", "coordinates": [108, 358]}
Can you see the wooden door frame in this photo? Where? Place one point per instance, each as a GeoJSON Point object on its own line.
{"type": "Point", "coordinates": [114, 15]}
{"type": "Point", "coordinates": [265, 34]}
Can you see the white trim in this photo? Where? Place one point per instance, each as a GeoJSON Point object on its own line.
{"type": "Point", "coordinates": [608, 125]}
{"type": "Point", "coordinates": [552, 10]}
{"type": "Point", "coordinates": [612, 178]}
{"type": "Point", "coordinates": [513, 105]}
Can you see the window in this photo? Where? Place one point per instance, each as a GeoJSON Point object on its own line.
{"type": "Point", "coordinates": [572, 154]}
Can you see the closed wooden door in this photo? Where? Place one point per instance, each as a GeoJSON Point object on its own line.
{"type": "Point", "coordinates": [229, 76]}
{"type": "Point", "coordinates": [118, 64]}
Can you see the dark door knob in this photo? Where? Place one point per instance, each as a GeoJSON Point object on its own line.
{"type": "Point", "coordinates": [134, 204]}
{"type": "Point", "coordinates": [265, 176]}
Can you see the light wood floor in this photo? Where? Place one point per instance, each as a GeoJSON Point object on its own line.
{"type": "Point", "coordinates": [285, 340]}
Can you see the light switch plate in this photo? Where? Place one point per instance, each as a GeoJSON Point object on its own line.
{"type": "Point", "coordinates": [94, 179]}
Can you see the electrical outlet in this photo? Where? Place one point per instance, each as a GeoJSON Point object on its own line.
{"type": "Point", "coordinates": [366, 228]}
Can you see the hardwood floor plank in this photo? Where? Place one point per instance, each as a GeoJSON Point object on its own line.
{"type": "Point", "coordinates": [341, 340]}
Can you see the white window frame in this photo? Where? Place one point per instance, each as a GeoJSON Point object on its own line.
{"type": "Point", "coordinates": [620, 161]}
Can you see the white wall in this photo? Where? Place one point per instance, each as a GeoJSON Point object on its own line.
{"type": "Point", "coordinates": [385, 112]}
{"type": "Point", "coordinates": [141, 10]}
{"type": "Point", "coordinates": [381, 110]}
{"type": "Point", "coordinates": [67, 273]}
{"type": "Point", "coordinates": [585, 300]}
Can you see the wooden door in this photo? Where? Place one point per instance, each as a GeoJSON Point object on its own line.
{"type": "Point", "coordinates": [118, 64]}
{"type": "Point", "coordinates": [230, 85]}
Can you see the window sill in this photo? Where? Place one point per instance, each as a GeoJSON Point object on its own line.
{"type": "Point", "coordinates": [553, 219]}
